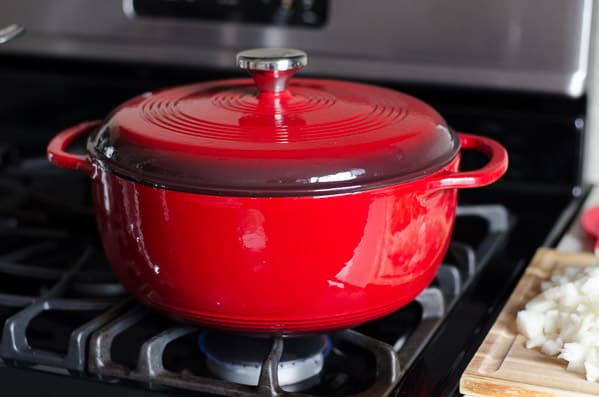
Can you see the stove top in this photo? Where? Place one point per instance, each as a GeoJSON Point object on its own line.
{"type": "Point", "coordinates": [62, 311]}
{"type": "Point", "coordinates": [67, 325]}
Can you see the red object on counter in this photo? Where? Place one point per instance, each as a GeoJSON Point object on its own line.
{"type": "Point", "coordinates": [590, 224]}
{"type": "Point", "coordinates": [303, 206]}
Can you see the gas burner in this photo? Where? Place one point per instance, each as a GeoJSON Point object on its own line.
{"type": "Point", "coordinates": [239, 358]}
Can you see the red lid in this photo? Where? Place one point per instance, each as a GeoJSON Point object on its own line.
{"type": "Point", "coordinates": [271, 136]}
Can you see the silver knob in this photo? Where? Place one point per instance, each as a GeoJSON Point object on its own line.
{"type": "Point", "coordinates": [272, 59]}
{"type": "Point", "coordinates": [10, 32]}
{"type": "Point", "coordinates": [272, 68]}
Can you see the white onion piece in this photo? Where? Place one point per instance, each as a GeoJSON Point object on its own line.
{"type": "Point", "coordinates": [563, 320]}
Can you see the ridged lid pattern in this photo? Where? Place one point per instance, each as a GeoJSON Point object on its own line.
{"type": "Point", "coordinates": [310, 137]}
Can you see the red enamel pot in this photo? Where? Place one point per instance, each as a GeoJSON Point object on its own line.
{"type": "Point", "coordinates": [275, 206]}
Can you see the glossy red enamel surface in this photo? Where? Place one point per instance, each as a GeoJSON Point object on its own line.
{"type": "Point", "coordinates": [317, 137]}
{"type": "Point", "coordinates": [277, 264]}
{"type": "Point", "coordinates": [274, 264]}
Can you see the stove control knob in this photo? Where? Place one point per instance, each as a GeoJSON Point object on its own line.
{"type": "Point", "coordinates": [271, 68]}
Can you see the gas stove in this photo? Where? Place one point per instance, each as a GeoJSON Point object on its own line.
{"type": "Point", "coordinates": [63, 312]}
{"type": "Point", "coordinates": [68, 325]}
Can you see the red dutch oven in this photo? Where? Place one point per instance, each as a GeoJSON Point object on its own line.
{"type": "Point", "coordinates": [275, 206]}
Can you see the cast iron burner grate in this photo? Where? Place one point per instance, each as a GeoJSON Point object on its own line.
{"type": "Point", "coordinates": [61, 309]}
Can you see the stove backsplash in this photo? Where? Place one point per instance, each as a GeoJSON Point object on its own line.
{"type": "Point", "coordinates": [534, 45]}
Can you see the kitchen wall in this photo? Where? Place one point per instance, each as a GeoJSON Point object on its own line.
{"type": "Point", "coordinates": [591, 169]}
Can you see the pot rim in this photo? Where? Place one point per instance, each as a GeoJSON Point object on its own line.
{"type": "Point", "coordinates": [419, 176]}
{"type": "Point", "coordinates": [440, 179]}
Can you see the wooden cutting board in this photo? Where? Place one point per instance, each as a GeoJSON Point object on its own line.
{"type": "Point", "coordinates": [504, 367]}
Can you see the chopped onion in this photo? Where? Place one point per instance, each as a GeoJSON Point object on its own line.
{"type": "Point", "coordinates": [563, 320]}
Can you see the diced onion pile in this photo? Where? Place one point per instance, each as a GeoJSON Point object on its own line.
{"type": "Point", "coordinates": [564, 320]}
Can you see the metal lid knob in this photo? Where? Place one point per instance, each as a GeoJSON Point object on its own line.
{"type": "Point", "coordinates": [9, 32]}
{"type": "Point", "coordinates": [272, 68]}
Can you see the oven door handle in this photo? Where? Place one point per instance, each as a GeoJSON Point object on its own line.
{"type": "Point", "coordinates": [57, 147]}
{"type": "Point", "coordinates": [487, 174]}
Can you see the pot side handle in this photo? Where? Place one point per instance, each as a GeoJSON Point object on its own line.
{"type": "Point", "coordinates": [57, 147]}
{"type": "Point", "coordinates": [489, 173]}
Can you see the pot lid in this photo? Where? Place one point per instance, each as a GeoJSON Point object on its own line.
{"type": "Point", "coordinates": [272, 136]}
